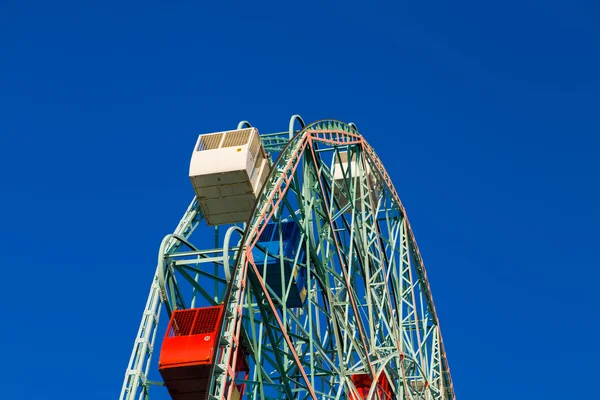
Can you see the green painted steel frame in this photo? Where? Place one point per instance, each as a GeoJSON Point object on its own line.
{"type": "Point", "coordinates": [369, 307]}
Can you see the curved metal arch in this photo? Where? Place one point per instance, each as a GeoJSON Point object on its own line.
{"type": "Point", "coordinates": [161, 272]}
{"type": "Point", "coordinates": [276, 178]}
{"type": "Point", "coordinates": [292, 120]}
{"type": "Point", "coordinates": [228, 234]}
{"type": "Point", "coordinates": [244, 123]}
{"type": "Point", "coordinates": [332, 124]}
{"type": "Point", "coordinates": [160, 268]}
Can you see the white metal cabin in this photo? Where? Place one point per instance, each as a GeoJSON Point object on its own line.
{"type": "Point", "coordinates": [228, 170]}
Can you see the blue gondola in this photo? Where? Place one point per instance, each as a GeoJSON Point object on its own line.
{"type": "Point", "coordinates": [269, 241]}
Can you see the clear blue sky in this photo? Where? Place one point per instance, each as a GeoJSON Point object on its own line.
{"type": "Point", "coordinates": [486, 117]}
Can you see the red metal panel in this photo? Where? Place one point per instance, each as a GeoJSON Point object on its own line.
{"type": "Point", "coordinates": [363, 382]}
{"type": "Point", "coordinates": [191, 337]}
{"type": "Point", "coordinates": [187, 351]}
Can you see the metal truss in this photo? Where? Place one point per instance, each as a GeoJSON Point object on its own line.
{"type": "Point", "coordinates": [368, 307]}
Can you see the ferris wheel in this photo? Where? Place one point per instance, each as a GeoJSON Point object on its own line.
{"type": "Point", "coordinates": [293, 274]}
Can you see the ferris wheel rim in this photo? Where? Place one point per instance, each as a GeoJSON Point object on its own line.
{"type": "Point", "coordinates": [250, 231]}
{"type": "Point", "coordinates": [309, 195]}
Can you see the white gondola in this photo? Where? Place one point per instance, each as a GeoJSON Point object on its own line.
{"type": "Point", "coordinates": [342, 170]}
{"type": "Point", "coordinates": [228, 170]}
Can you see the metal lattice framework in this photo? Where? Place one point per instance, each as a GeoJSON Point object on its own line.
{"type": "Point", "coordinates": [368, 306]}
